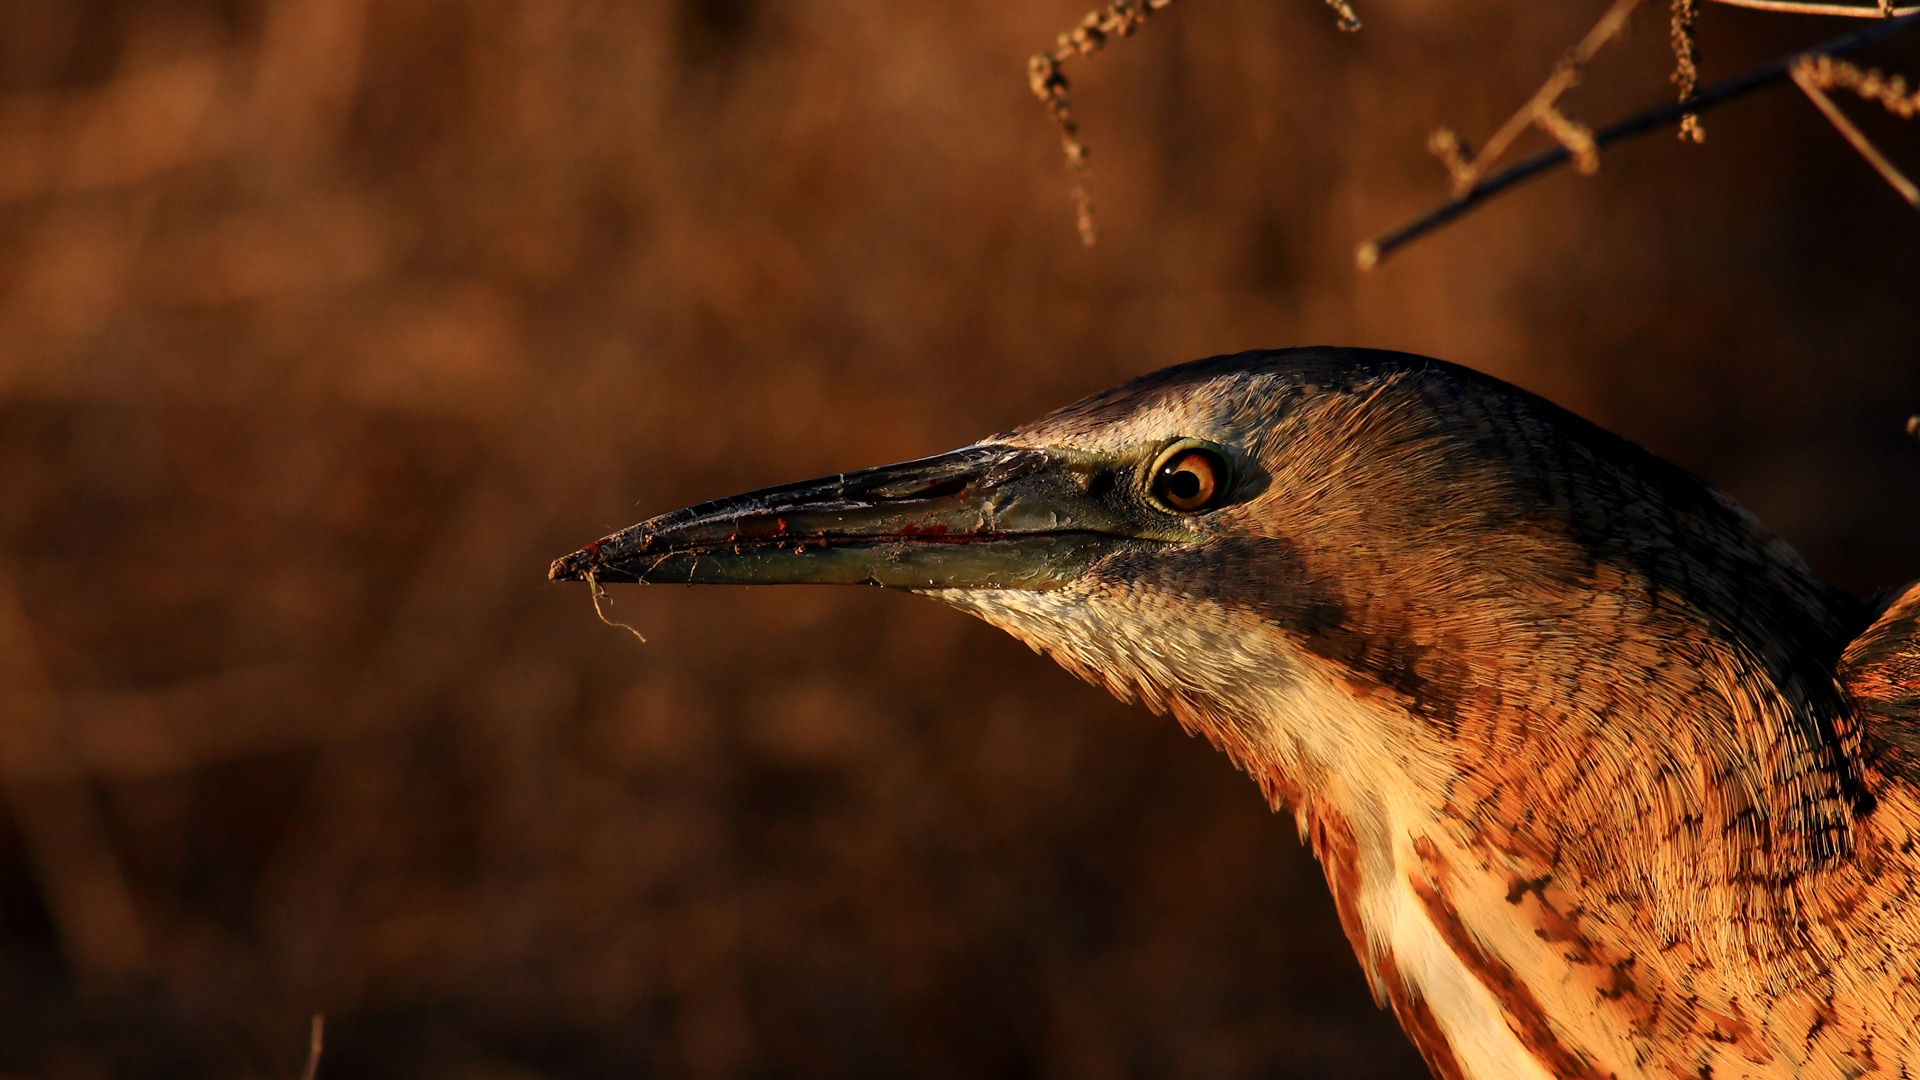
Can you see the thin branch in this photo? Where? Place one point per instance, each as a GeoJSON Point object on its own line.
{"type": "Point", "coordinates": [1686, 64]}
{"type": "Point", "coordinates": [1883, 10]}
{"type": "Point", "coordinates": [1049, 83]}
{"type": "Point", "coordinates": [316, 1041]}
{"type": "Point", "coordinates": [1812, 79]}
{"type": "Point", "coordinates": [1542, 110]}
{"type": "Point", "coordinates": [1349, 20]}
{"type": "Point", "coordinates": [1891, 92]}
{"type": "Point", "coordinates": [1048, 80]}
{"type": "Point", "coordinates": [1370, 253]}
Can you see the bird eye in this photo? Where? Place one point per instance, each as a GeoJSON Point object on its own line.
{"type": "Point", "coordinates": [1190, 479]}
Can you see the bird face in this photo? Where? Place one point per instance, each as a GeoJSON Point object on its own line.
{"type": "Point", "coordinates": [1138, 537]}
{"type": "Point", "coordinates": [1366, 570]}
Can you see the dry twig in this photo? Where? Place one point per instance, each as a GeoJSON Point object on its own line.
{"type": "Point", "coordinates": [1349, 19]}
{"type": "Point", "coordinates": [1048, 79]}
{"type": "Point", "coordinates": [1815, 75]}
{"type": "Point", "coordinates": [1882, 9]}
{"type": "Point", "coordinates": [316, 1037]}
{"type": "Point", "coordinates": [1541, 111]}
{"type": "Point", "coordinates": [1828, 72]}
{"type": "Point", "coordinates": [1369, 254]}
{"type": "Point", "coordinates": [1049, 82]}
{"type": "Point", "coordinates": [1467, 170]}
{"type": "Point", "coordinates": [1686, 64]}
{"type": "Point", "coordinates": [1686, 74]}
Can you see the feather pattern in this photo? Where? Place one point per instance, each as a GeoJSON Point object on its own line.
{"type": "Point", "coordinates": [1604, 781]}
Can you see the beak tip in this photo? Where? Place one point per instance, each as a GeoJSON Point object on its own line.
{"type": "Point", "coordinates": [574, 567]}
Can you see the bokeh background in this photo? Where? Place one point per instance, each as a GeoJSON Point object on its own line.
{"type": "Point", "coordinates": [325, 324]}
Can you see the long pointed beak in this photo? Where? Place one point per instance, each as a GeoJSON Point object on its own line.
{"type": "Point", "coordinates": [988, 516]}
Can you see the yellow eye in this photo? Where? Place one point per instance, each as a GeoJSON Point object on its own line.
{"type": "Point", "coordinates": [1190, 480]}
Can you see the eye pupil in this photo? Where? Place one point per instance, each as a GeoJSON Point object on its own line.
{"type": "Point", "coordinates": [1184, 484]}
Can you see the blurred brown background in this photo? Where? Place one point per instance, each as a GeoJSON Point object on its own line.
{"type": "Point", "coordinates": [325, 324]}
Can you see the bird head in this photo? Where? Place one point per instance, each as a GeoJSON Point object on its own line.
{"type": "Point", "coordinates": [1154, 538]}
{"type": "Point", "coordinates": [1365, 573]}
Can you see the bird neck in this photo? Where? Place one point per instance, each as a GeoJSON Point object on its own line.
{"type": "Point", "coordinates": [1661, 766]}
{"type": "Point", "coordinates": [1621, 744]}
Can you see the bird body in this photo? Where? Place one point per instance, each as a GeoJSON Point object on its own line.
{"type": "Point", "coordinates": [1604, 781]}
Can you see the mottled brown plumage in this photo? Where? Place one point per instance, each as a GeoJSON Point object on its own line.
{"type": "Point", "coordinates": [1605, 783]}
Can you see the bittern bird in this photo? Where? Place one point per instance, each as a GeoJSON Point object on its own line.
{"type": "Point", "coordinates": [1604, 781]}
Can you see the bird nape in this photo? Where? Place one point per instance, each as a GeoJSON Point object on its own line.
{"type": "Point", "coordinates": [1604, 781]}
